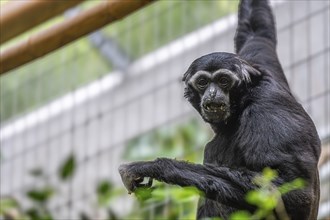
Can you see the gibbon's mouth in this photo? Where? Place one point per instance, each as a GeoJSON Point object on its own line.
{"type": "Point", "coordinates": [221, 108]}
{"type": "Point", "coordinates": [214, 107]}
{"type": "Point", "coordinates": [215, 112]}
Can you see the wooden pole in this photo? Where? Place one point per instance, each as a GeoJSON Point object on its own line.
{"type": "Point", "coordinates": [59, 35]}
{"type": "Point", "coordinates": [19, 16]}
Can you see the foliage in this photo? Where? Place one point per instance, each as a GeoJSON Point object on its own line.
{"type": "Point", "coordinates": [39, 214]}
{"type": "Point", "coordinates": [67, 169]}
{"type": "Point", "coordinates": [7, 204]}
{"type": "Point", "coordinates": [161, 200]}
{"type": "Point", "coordinates": [267, 198]}
{"type": "Point", "coordinates": [39, 197]}
{"type": "Point", "coordinates": [171, 202]}
{"type": "Point", "coordinates": [105, 192]}
{"type": "Point", "coordinates": [186, 139]}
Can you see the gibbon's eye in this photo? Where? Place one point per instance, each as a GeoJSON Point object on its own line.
{"type": "Point", "coordinates": [202, 82]}
{"type": "Point", "coordinates": [224, 81]}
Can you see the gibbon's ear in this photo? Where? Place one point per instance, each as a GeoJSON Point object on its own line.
{"type": "Point", "coordinates": [248, 72]}
{"type": "Point", "coordinates": [184, 77]}
{"type": "Point", "coordinates": [186, 74]}
{"type": "Point", "coordinates": [190, 71]}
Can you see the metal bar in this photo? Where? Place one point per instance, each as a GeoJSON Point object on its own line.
{"type": "Point", "coordinates": [19, 16]}
{"type": "Point", "coordinates": [325, 172]}
{"type": "Point", "coordinates": [59, 35]}
{"type": "Point", "coordinates": [324, 210]}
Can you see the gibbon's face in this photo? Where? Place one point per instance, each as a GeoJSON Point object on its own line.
{"type": "Point", "coordinates": [210, 81]}
{"type": "Point", "coordinates": [213, 89]}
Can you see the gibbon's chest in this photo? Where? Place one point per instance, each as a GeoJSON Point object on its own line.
{"type": "Point", "coordinates": [222, 152]}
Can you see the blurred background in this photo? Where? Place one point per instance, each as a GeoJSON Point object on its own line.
{"type": "Point", "coordinates": [69, 119]}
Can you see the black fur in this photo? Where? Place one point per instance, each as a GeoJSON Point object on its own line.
{"type": "Point", "coordinates": [267, 127]}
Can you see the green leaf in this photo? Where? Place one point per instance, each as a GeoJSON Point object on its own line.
{"type": "Point", "coordinates": [185, 193]}
{"type": "Point", "coordinates": [7, 204]}
{"type": "Point", "coordinates": [263, 199]}
{"type": "Point", "coordinates": [159, 194]}
{"type": "Point", "coordinates": [265, 180]}
{"type": "Point", "coordinates": [41, 195]}
{"type": "Point", "coordinates": [104, 193]}
{"type": "Point", "coordinates": [33, 214]}
{"type": "Point", "coordinates": [143, 193]}
{"type": "Point", "coordinates": [241, 215]}
{"type": "Point", "coordinates": [47, 216]}
{"type": "Point", "coordinates": [36, 214]}
{"type": "Point", "coordinates": [68, 167]}
{"type": "Point", "coordinates": [253, 197]}
{"type": "Point", "coordinates": [104, 187]}
{"type": "Point", "coordinates": [269, 174]}
{"type": "Point", "coordinates": [294, 185]}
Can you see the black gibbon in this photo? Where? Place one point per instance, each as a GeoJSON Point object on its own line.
{"type": "Point", "coordinates": [246, 99]}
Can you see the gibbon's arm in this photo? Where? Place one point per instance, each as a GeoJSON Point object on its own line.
{"type": "Point", "coordinates": [221, 184]}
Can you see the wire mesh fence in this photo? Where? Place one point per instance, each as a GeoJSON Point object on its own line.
{"type": "Point", "coordinates": [79, 102]}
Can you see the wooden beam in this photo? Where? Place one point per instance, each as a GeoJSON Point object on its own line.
{"type": "Point", "coordinates": [19, 16]}
{"type": "Point", "coordinates": [59, 35]}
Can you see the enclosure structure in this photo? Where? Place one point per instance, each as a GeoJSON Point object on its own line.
{"type": "Point", "coordinates": [100, 120]}
{"type": "Point", "coordinates": [53, 38]}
